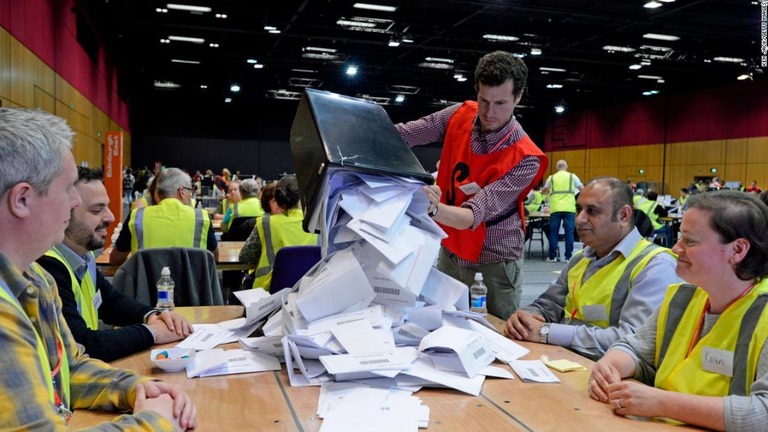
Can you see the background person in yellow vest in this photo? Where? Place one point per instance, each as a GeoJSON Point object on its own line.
{"type": "Point", "coordinates": [562, 188]}
{"type": "Point", "coordinates": [535, 199]}
{"type": "Point", "coordinates": [233, 196]}
{"type": "Point", "coordinates": [169, 223]}
{"type": "Point", "coordinates": [87, 297]}
{"type": "Point", "coordinates": [702, 357]}
{"type": "Point", "coordinates": [609, 289]}
{"type": "Point", "coordinates": [249, 206]}
{"type": "Point", "coordinates": [282, 227]}
{"type": "Point", "coordinates": [487, 166]}
{"type": "Point", "coordinates": [37, 193]}
{"type": "Point", "coordinates": [654, 210]}
{"type": "Point", "coordinates": [638, 197]}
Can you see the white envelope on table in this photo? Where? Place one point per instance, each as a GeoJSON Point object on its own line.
{"type": "Point", "coordinates": [236, 361]}
{"type": "Point", "coordinates": [457, 350]}
{"type": "Point", "coordinates": [342, 273]}
{"type": "Point", "coordinates": [308, 375]}
{"type": "Point", "coordinates": [398, 359]}
{"type": "Point", "coordinates": [423, 368]}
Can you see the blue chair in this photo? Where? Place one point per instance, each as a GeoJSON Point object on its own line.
{"type": "Point", "coordinates": [291, 264]}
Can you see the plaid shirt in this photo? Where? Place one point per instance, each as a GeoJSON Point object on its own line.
{"type": "Point", "coordinates": [503, 241]}
{"type": "Point", "coordinates": [93, 384]}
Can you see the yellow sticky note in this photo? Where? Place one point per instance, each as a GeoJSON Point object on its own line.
{"type": "Point", "coordinates": [564, 365]}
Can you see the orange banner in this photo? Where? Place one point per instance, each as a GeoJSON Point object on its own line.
{"type": "Point", "coordinates": [113, 177]}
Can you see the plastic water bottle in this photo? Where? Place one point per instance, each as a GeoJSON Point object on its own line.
{"type": "Point", "coordinates": [165, 290]}
{"type": "Point", "coordinates": [478, 294]}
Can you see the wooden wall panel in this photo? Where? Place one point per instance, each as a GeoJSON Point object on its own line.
{"type": "Point", "coordinates": [736, 151]}
{"type": "Point", "coordinates": [576, 160]}
{"type": "Point", "coordinates": [5, 65]}
{"type": "Point", "coordinates": [26, 81]}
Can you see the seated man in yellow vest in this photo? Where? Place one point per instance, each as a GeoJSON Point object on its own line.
{"type": "Point", "coordinates": [609, 289]}
{"type": "Point", "coordinates": [45, 375]}
{"type": "Point", "coordinates": [170, 223]}
{"type": "Point", "coordinates": [249, 206]}
{"type": "Point", "coordinates": [86, 296]}
{"type": "Point", "coordinates": [654, 212]}
{"type": "Point", "coordinates": [562, 188]}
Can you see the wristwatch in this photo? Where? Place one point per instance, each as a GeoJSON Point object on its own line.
{"type": "Point", "coordinates": [544, 333]}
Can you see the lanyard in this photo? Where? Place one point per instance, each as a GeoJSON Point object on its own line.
{"type": "Point", "coordinates": [699, 327]}
{"type": "Point", "coordinates": [575, 309]}
{"type": "Point", "coordinates": [63, 410]}
{"type": "Point", "coordinates": [503, 139]}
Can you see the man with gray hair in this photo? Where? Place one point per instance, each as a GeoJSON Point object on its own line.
{"type": "Point", "coordinates": [170, 223]}
{"type": "Point", "coordinates": [45, 374]}
{"type": "Point", "coordinates": [249, 206]}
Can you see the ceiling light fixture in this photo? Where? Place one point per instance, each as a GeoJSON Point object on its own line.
{"type": "Point", "coordinates": [234, 88]}
{"type": "Point", "coordinates": [375, 7]}
{"type": "Point", "coordinates": [258, 66]}
{"type": "Point", "coordinates": [350, 23]}
{"type": "Point", "coordinates": [500, 38]}
{"type": "Point", "coordinates": [635, 66]}
{"type": "Point", "coordinates": [268, 28]}
{"type": "Point", "coordinates": [275, 31]}
{"type": "Point", "coordinates": [652, 77]}
{"type": "Point", "coordinates": [746, 76]}
{"type": "Point", "coordinates": [729, 59]}
{"type": "Point", "coordinates": [652, 5]}
{"type": "Point", "coordinates": [439, 59]}
{"type": "Point", "coordinates": [352, 70]}
{"type": "Point", "coordinates": [406, 40]}
{"type": "Point", "coordinates": [554, 86]}
{"type": "Point", "coordinates": [660, 36]}
{"type": "Point", "coordinates": [189, 8]}
{"type": "Point", "coordinates": [535, 51]}
{"type": "Point", "coordinates": [187, 39]}
{"type": "Point", "coordinates": [213, 45]}
{"type": "Point", "coordinates": [399, 98]}
{"type": "Point", "coordinates": [161, 10]}
{"type": "Point", "coordinates": [221, 16]}
{"type": "Point", "coordinates": [203, 86]}
{"type": "Point", "coordinates": [304, 70]}
{"type": "Point", "coordinates": [166, 84]}
{"type": "Point", "coordinates": [185, 61]}
{"type": "Point", "coordinates": [319, 49]}
{"type": "Point", "coordinates": [616, 48]}
{"type": "Point", "coordinates": [550, 69]}
{"type": "Point", "coordinates": [252, 61]}
{"type": "Point", "coordinates": [166, 41]}
{"type": "Point", "coordinates": [559, 109]}
{"type": "Point", "coordinates": [227, 100]}
{"type": "Point", "coordinates": [393, 42]}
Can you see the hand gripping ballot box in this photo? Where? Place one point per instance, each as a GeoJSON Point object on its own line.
{"type": "Point", "coordinates": [331, 132]}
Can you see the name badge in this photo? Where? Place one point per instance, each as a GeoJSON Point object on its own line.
{"type": "Point", "coordinates": [470, 188]}
{"type": "Point", "coordinates": [97, 300]}
{"type": "Point", "coordinates": [717, 361]}
{"type": "Point", "coordinates": [596, 312]}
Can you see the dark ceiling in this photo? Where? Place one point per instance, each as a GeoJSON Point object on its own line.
{"type": "Point", "coordinates": [571, 35]}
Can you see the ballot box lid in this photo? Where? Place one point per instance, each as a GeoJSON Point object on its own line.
{"type": "Point", "coordinates": [332, 130]}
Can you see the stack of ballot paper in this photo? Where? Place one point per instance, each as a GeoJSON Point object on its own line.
{"type": "Point", "coordinates": [375, 311]}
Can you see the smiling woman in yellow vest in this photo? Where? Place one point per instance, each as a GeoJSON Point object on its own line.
{"type": "Point", "coordinates": [250, 206]}
{"type": "Point", "coordinates": [279, 229]}
{"type": "Point", "coordinates": [705, 351]}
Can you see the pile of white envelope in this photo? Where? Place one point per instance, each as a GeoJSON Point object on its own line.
{"type": "Point", "coordinates": [375, 321]}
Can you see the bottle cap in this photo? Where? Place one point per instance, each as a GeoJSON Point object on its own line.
{"type": "Point", "coordinates": [478, 276]}
{"type": "Point", "coordinates": [165, 272]}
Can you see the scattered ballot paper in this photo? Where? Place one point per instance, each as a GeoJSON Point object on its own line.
{"type": "Point", "coordinates": [228, 362]}
{"type": "Point", "coordinates": [533, 371]}
{"type": "Point", "coordinates": [562, 365]}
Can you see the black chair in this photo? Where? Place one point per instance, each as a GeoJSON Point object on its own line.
{"type": "Point", "coordinates": [643, 223]}
{"type": "Point", "coordinates": [291, 264]}
{"type": "Point", "coordinates": [239, 229]}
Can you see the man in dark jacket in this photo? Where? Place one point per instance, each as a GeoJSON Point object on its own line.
{"type": "Point", "coordinates": [87, 296]}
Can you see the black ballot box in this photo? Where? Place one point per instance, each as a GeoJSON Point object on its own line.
{"type": "Point", "coordinates": [332, 131]}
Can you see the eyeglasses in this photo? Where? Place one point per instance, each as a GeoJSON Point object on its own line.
{"type": "Point", "coordinates": [191, 190]}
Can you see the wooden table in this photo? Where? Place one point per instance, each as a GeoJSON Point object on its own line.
{"type": "Point", "coordinates": [229, 258]}
{"type": "Point", "coordinates": [266, 402]}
